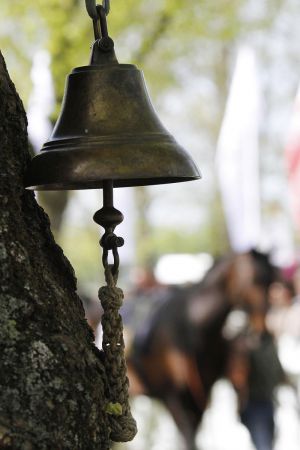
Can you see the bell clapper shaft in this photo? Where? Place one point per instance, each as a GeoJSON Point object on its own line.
{"type": "Point", "coordinates": [109, 217]}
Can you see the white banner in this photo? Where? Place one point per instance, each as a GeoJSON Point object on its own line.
{"type": "Point", "coordinates": [237, 157]}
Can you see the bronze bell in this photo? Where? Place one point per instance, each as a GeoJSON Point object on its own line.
{"type": "Point", "coordinates": [109, 135]}
{"type": "Point", "coordinates": [108, 130]}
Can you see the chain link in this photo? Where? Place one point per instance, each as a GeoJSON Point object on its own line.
{"type": "Point", "coordinates": [91, 7]}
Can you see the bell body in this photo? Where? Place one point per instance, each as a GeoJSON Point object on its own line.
{"type": "Point", "coordinates": [108, 130]}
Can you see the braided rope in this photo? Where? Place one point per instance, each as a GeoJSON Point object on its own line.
{"type": "Point", "coordinates": [122, 424]}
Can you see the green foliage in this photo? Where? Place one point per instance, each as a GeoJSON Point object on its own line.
{"type": "Point", "coordinates": [169, 240]}
{"type": "Point", "coordinates": [168, 39]}
{"type": "Point", "coordinates": [154, 34]}
{"type": "Point", "coordinates": [81, 246]}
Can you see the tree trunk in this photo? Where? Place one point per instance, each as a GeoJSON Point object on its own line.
{"type": "Point", "coordinates": [52, 378]}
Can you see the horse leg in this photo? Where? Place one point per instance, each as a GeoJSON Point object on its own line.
{"type": "Point", "coordinates": [182, 420]}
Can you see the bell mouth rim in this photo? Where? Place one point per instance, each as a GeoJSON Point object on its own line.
{"type": "Point", "coordinates": [74, 165]}
{"type": "Point", "coordinates": [117, 183]}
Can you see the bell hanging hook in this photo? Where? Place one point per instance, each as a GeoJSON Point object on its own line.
{"type": "Point", "coordinates": [91, 7]}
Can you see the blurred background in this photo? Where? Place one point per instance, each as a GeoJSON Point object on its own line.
{"type": "Point", "coordinates": [209, 67]}
{"type": "Point", "coordinates": [223, 77]}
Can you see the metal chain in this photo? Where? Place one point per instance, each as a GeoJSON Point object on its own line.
{"type": "Point", "coordinates": [115, 254]}
{"type": "Point", "coordinates": [106, 6]}
{"type": "Point", "coordinates": [91, 7]}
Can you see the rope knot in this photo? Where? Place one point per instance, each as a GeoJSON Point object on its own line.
{"type": "Point", "coordinates": [111, 298]}
{"type": "Point", "coordinates": [123, 429]}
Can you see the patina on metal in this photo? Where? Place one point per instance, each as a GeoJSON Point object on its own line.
{"type": "Point", "coordinates": [108, 130]}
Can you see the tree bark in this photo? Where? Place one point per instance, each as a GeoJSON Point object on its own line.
{"type": "Point", "coordinates": [52, 378]}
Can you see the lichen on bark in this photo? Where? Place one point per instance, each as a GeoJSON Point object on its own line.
{"type": "Point", "coordinates": [52, 380]}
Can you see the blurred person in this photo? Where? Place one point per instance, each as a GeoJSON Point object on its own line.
{"type": "Point", "coordinates": [140, 303]}
{"type": "Point", "coordinates": [255, 370]}
{"type": "Point", "coordinates": [138, 313]}
{"type": "Point", "coordinates": [296, 282]}
{"type": "Point", "coordinates": [281, 295]}
{"type": "Point", "coordinates": [284, 321]}
{"type": "Point", "coordinates": [294, 320]}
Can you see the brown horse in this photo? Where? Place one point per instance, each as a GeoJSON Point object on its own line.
{"type": "Point", "coordinates": [179, 351]}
